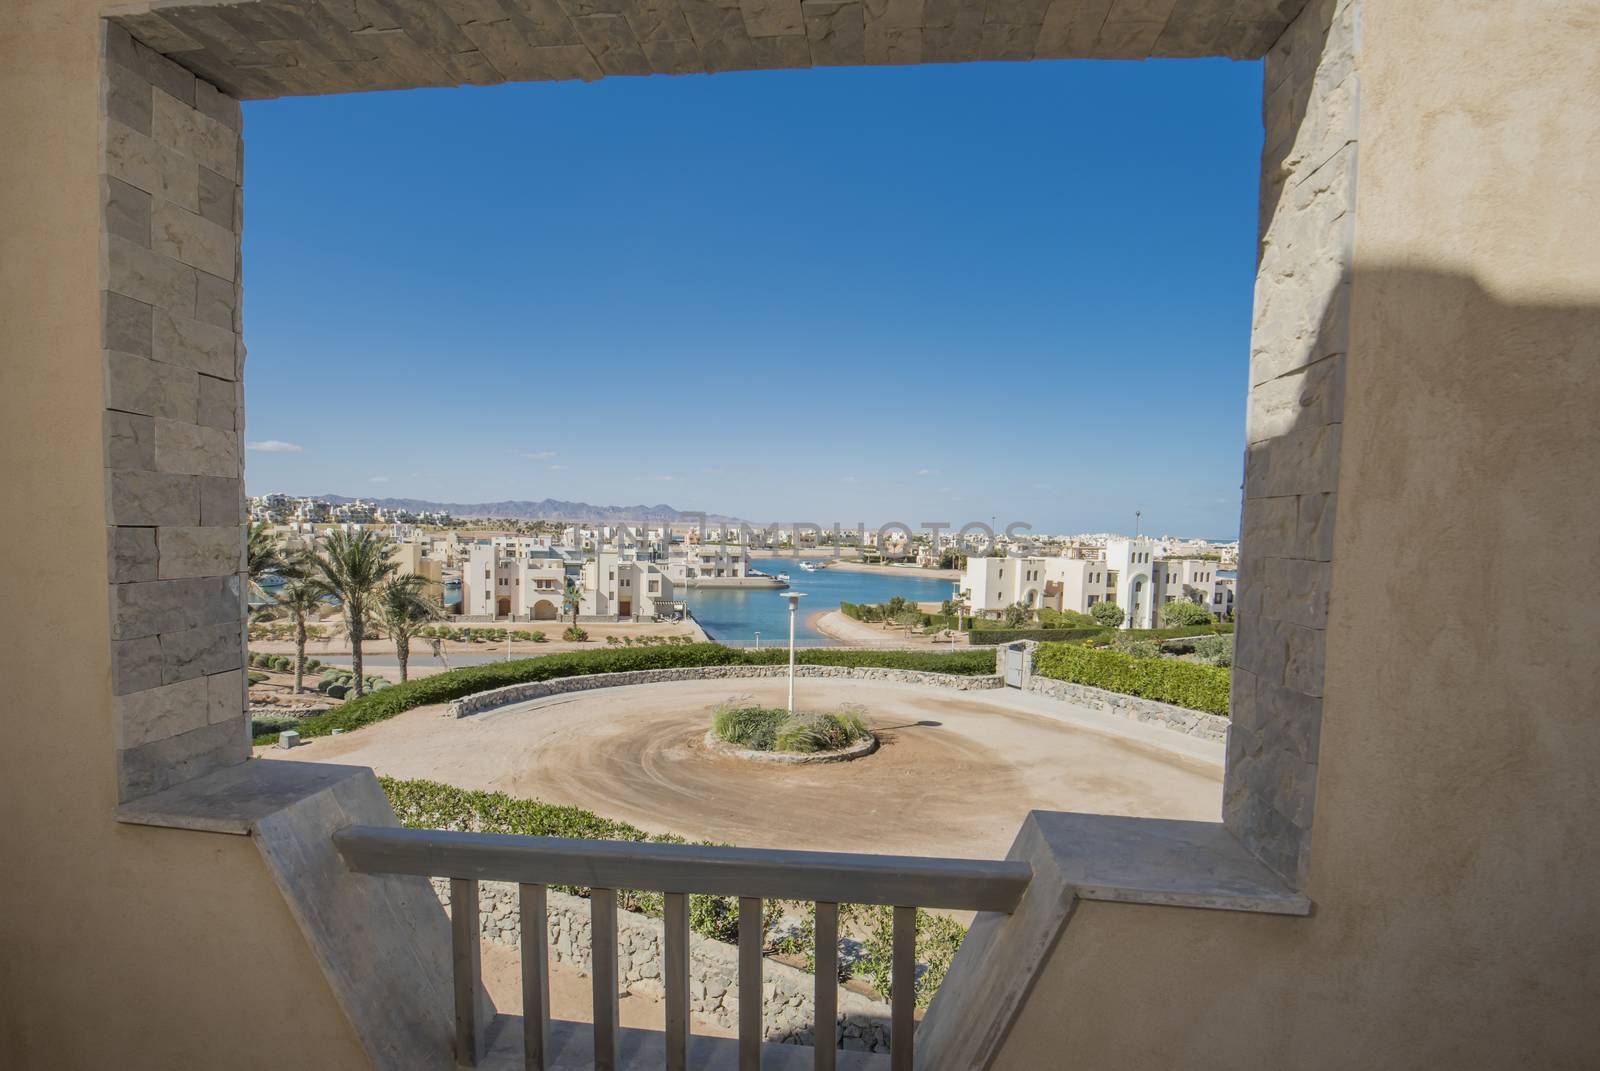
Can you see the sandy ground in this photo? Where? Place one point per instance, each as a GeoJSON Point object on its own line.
{"type": "Point", "coordinates": [896, 570]}
{"type": "Point", "coordinates": [847, 630]}
{"type": "Point", "coordinates": [955, 775]}
{"type": "Point", "coordinates": [572, 995]}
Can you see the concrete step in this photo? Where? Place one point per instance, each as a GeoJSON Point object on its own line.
{"type": "Point", "coordinates": [572, 1049]}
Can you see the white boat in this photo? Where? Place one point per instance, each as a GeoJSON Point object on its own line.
{"type": "Point", "coordinates": [783, 577]}
{"type": "Point", "coordinates": [809, 567]}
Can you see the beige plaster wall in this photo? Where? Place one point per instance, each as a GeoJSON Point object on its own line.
{"type": "Point", "coordinates": [119, 946]}
{"type": "Point", "coordinates": [1452, 869]}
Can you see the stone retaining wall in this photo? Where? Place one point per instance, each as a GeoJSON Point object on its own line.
{"type": "Point", "coordinates": [1178, 719]}
{"type": "Point", "coordinates": [788, 1008]}
{"type": "Point", "coordinates": [521, 693]}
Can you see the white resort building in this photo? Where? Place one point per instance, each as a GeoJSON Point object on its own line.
{"type": "Point", "coordinates": [1131, 574]}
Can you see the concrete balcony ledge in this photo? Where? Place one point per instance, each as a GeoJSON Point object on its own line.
{"type": "Point", "coordinates": [1077, 857]}
{"type": "Point", "coordinates": [238, 798]}
{"type": "Point", "coordinates": [1160, 861]}
{"type": "Point", "coordinates": [382, 941]}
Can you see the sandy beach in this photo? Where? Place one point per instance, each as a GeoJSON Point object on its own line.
{"type": "Point", "coordinates": [852, 633]}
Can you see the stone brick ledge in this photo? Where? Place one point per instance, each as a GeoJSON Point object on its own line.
{"type": "Point", "coordinates": [1178, 719]}
{"type": "Point", "coordinates": [788, 1004]}
{"type": "Point", "coordinates": [521, 693]}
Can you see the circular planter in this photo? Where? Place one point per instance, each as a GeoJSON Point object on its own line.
{"type": "Point", "coordinates": [792, 758]}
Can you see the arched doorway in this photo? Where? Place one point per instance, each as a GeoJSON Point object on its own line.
{"type": "Point", "coordinates": [544, 610]}
{"type": "Point", "coordinates": [502, 606]}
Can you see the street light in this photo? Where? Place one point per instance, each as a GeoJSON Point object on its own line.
{"type": "Point", "coordinates": [794, 598]}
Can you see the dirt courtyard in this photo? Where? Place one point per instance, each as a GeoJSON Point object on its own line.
{"type": "Point", "coordinates": [955, 775]}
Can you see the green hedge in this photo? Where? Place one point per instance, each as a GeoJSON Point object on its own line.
{"type": "Point", "coordinates": [1166, 680]}
{"type": "Point", "coordinates": [443, 687]}
{"type": "Point", "coordinates": [991, 637]}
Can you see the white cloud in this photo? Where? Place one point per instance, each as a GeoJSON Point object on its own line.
{"type": "Point", "coordinates": [379, 479]}
{"type": "Point", "coordinates": [275, 446]}
{"type": "Point", "coordinates": [927, 472]}
{"type": "Point", "coordinates": [662, 479]}
{"type": "Point", "coordinates": [556, 468]}
{"type": "Point", "coordinates": [534, 455]}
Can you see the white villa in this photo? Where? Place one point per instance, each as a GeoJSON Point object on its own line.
{"type": "Point", "coordinates": [1131, 574]}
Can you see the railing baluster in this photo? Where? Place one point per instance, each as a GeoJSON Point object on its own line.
{"type": "Point", "coordinates": [750, 981]}
{"type": "Point", "coordinates": [826, 1000]}
{"type": "Point", "coordinates": [464, 962]}
{"type": "Point", "coordinates": [676, 927]}
{"type": "Point", "coordinates": [535, 975]}
{"type": "Point", "coordinates": [603, 969]}
{"type": "Point", "coordinates": [903, 979]}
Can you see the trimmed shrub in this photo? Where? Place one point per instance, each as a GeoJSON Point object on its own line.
{"type": "Point", "coordinates": [443, 687]}
{"type": "Point", "coordinates": [1181, 612]}
{"type": "Point", "coordinates": [1166, 680]}
{"type": "Point", "coordinates": [1108, 614]}
{"type": "Point", "coordinates": [991, 637]}
{"type": "Point", "coordinates": [574, 634]}
{"type": "Point", "coordinates": [337, 691]}
{"type": "Point", "coordinates": [257, 678]}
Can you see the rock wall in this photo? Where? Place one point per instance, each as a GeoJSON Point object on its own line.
{"type": "Point", "coordinates": [788, 1009]}
{"type": "Point", "coordinates": [521, 693]}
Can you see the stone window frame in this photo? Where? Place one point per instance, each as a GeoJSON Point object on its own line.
{"type": "Point", "coordinates": [172, 215]}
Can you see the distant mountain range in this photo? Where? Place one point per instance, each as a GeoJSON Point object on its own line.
{"type": "Point", "coordinates": [545, 509]}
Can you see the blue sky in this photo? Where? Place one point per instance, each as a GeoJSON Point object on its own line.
{"type": "Point", "coordinates": [929, 293]}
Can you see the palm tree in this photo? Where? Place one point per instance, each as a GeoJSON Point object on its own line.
{"type": "Point", "coordinates": [265, 556]}
{"type": "Point", "coordinates": [352, 567]}
{"type": "Point", "coordinates": [299, 599]}
{"type": "Point", "coordinates": [571, 600]}
{"type": "Point", "coordinates": [401, 611]}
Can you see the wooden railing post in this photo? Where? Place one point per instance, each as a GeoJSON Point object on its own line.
{"type": "Point", "coordinates": [603, 969]}
{"type": "Point", "coordinates": [903, 981]}
{"type": "Point", "coordinates": [535, 975]}
{"type": "Point", "coordinates": [465, 968]}
{"type": "Point", "coordinates": [675, 926]}
{"type": "Point", "coordinates": [750, 980]}
{"type": "Point", "coordinates": [826, 998]}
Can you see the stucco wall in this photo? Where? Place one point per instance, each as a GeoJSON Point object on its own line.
{"type": "Point", "coordinates": [1452, 881]}
{"type": "Point", "coordinates": [119, 946]}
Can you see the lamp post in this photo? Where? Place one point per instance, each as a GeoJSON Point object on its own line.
{"type": "Point", "coordinates": [794, 598]}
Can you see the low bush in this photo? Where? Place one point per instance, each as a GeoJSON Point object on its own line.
{"type": "Point", "coordinates": [1166, 680]}
{"type": "Point", "coordinates": [443, 687]}
{"type": "Point", "coordinates": [755, 728]}
{"type": "Point", "coordinates": [270, 726]}
{"type": "Point", "coordinates": [821, 732]}
{"type": "Point", "coordinates": [1214, 650]}
{"type": "Point", "coordinates": [772, 729]}
{"type": "Point", "coordinates": [257, 678]}
{"type": "Point", "coordinates": [574, 634]}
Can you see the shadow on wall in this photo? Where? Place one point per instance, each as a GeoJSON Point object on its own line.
{"type": "Point", "coordinates": [1455, 631]}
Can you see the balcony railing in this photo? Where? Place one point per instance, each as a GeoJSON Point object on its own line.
{"type": "Point", "coordinates": [677, 870]}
